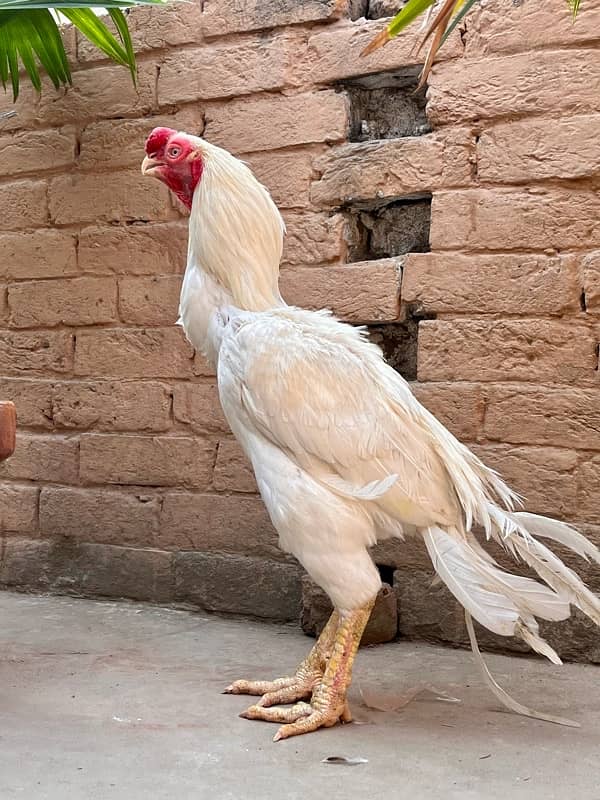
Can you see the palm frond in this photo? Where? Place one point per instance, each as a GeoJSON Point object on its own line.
{"type": "Point", "coordinates": [449, 14]}
{"type": "Point", "coordinates": [30, 38]}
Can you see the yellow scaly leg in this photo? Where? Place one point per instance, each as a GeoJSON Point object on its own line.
{"type": "Point", "coordinates": [328, 704]}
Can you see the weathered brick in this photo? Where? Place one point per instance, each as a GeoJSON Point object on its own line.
{"type": "Point", "coordinates": [26, 109]}
{"type": "Point", "coordinates": [32, 399]}
{"type": "Point", "coordinates": [18, 509]}
{"type": "Point", "coordinates": [99, 93]}
{"type": "Point", "coordinates": [361, 292]}
{"type": "Point", "coordinates": [546, 415]}
{"type": "Point", "coordinates": [530, 219]}
{"type": "Point", "coordinates": [424, 611]}
{"type": "Point", "coordinates": [235, 16]}
{"type": "Point", "coordinates": [23, 204]}
{"type": "Point", "coordinates": [442, 283]}
{"type": "Point", "coordinates": [154, 28]}
{"type": "Point", "coordinates": [24, 562]}
{"type": "Point", "coordinates": [69, 301]}
{"type": "Point", "coordinates": [233, 472]}
{"type": "Point", "coordinates": [458, 406]}
{"type": "Point", "coordinates": [287, 175]}
{"type": "Point", "coordinates": [238, 585]}
{"type": "Point", "coordinates": [591, 282]}
{"type": "Point", "coordinates": [99, 515]}
{"type": "Point", "coordinates": [267, 123]}
{"type": "Point", "coordinates": [134, 249]}
{"type": "Point", "coordinates": [113, 145]}
{"type": "Point", "coordinates": [146, 460]}
{"type": "Point", "coordinates": [43, 458]}
{"type": "Point", "coordinates": [517, 349]}
{"type": "Point", "coordinates": [149, 301]}
{"type": "Point", "coordinates": [588, 484]}
{"type": "Point", "coordinates": [35, 352]}
{"type": "Point", "coordinates": [508, 27]}
{"type": "Point", "coordinates": [36, 151]}
{"type": "Point", "coordinates": [391, 168]}
{"type": "Point", "coordinates": [3, 304]}
{"type": "Point", "coordinates": [210, 72]}
{"type": "Point", "coordinates": [544, 476]}
{"type": "Point", "coordinates": [197, 405]}
{"type": "Point", "coordinates": [476, 89]}
{"type": "Point", "coordinates": [334, 55]}
{"type": "Point", "coordinates": [40, 254]}
{"type": "Point", "coordinates": [117, 197]}
{"type": "Point", "coordinates": [314, 237]}
{"type": "Point", "coordinates": [111, 405]}
{"type": "Point", "coordinates": [137, 353]}
{"type": "Point", "coordinates": [533, 150]}
{"type": "Point", "coordinates": [217, 523]}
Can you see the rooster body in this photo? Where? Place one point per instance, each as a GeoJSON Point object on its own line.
{"type": "Point", "coordinates": [344, 455]}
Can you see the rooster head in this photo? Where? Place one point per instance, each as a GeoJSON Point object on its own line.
{"type": "Point", "coordinates": [175, 159]}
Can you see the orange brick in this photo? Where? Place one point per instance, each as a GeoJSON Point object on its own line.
{"type": "Point", "coordinates": [533, 150]}
{"type": "Point", "coordinates": [112, 144]}
{"type": "Point", "coordinates": [529, 26]}
{"type": "Point", "coordinates": [19, 508]}
{"type": "Point", "coordinates": [588, 484]}
{"type": "Point", "coordinates": [36, 352]}
{"type": "Point", "coordinates": [458, 406]}
{"type": "Point", "coordinates": [102, 405]}
{"type": "Point", "coordinates": [287, 175]}
{"type": "Point", "coordinates": [3, 304]}
{"type": "Point", "coordinates": [69, 301]}
{"type": "Point", "coordinates": [99, 93]}
{"type": "Point", "coordinates": [494, 219]}
{"type": "Point", "coordinates": [233, 471]}
{"type": "Point", "coordinates": [40, 254]}
{"type": "Point", "coordinates": [146, 460]}
{"type": "Point", "coordinates": [117, 197]}
{"type": "Point", "coordinates": [36, 151]}
{"type": "Point", "coordinates": [137, 353]}
{"type": "Point", "coordinates": [544, 415]}
{"type": "Point", "coordinates": [544, 476]}
{"type": "Point", "coordinates": [517, 349]}
{"type": "Point", "coordinates": [442, 283]}
{"type": "Point", "coordinates": [361, 292]}
{"type": "Point", "coordinates": [135, 249]}
{"type": "Point", "coordinates": [262, 63]}
{"type": "Point", "coordinates": [99, 515]}
{"type": "Point", "coordinates": [23, 204]}
{"type": "Point", "coordinates": [111, 405]}
{"type": "Point", "coordinates": [267, 123]}
{"type": "Point", "coordinates": [43, 458]}
{"type": "Point", "coordinates": [154, 28]}
{"type": "Point", "coordinates": [235, 16]}
{"type": "Point", "coordinates": [197, 405]}
{"type": "Point", "coordinates": [591, 281]}
{"type": "Point", "coordinates": [314, 237]}
{"type": "Point", "coordinates": [217, 523]}
{"type": "Point", "coordinates": [391, 168]}
{"type": "Point", "coordinates": [149, 301]}
{"type": "Point", "coordinates": [514, 85]}
{"type": "Point", "coordinates": [334, 54]}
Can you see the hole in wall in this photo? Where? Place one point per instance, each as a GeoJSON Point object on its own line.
{"type": "Point", "coordinates": [391, 229]}
{"type": "Point", "coordinates": [376, 9]}
{"type": "Point", "coordinates": [386, 573]}
{"type": "Point", "coordinates": [399, 343]}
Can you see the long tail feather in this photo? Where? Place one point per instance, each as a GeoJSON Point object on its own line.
{"type": "Point", "coordinates": [560, 532]}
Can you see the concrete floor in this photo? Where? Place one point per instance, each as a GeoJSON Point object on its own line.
{"type": "Point", "coordinates": [120, 701]}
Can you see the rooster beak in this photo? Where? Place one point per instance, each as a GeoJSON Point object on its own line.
{"type": "Point", "coordinates": [150, 164]}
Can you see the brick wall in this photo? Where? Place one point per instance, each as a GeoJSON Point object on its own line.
{"type": "Point", "coordinates": [465, 234]}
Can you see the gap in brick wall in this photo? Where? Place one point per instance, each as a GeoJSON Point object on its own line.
{"type": "Point", "coordinates": [387, 106]}
{"type": "Point", "coordinates": [399, 341]}
{"type": "Point", "coordinates": [391, 229]}
{"type": "Point", "coordinates": [375, 9]}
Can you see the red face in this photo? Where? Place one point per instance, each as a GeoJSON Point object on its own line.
{"type": "Point", "coordinates": [173, 159]}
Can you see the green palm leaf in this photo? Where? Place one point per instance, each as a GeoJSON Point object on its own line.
{"type": "Point", "coordinates": [30, 38]}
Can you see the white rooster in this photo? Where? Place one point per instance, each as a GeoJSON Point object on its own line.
{"type": "Point", "coordinates": [343, 453]}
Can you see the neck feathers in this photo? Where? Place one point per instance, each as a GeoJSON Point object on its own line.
{"type": "Point", "coordinates": [236, 232]}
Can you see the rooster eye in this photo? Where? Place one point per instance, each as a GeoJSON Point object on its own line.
{"type": "Point", "coordinates": [174, 151]}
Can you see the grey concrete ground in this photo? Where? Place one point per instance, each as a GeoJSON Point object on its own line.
{"type": "Point", "coordinates": [119, 701]}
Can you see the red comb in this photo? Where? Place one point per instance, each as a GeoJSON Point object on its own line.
{"type": "Point", "coordinates": [158, 139]}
